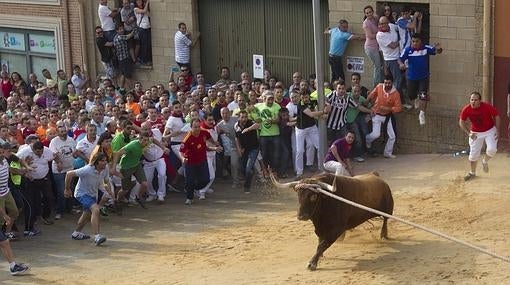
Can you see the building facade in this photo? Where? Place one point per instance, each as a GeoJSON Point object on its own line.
{"type": "Point", "coordinates": [60, 33]}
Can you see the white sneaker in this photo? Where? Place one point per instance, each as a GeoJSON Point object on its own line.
{"type": "Point", "coordinates": [161, 199]}
{"type": "Point", "coordinates": [421, 118]}
{"type": "Point", "coordinates": [187, 202]}
{"type": "Point", "coordinates": [209, 191]}
{"type": "Point", "coordinates": [390, 156]}
{"type": "Point", "coordinates": [407, 106]}
{"type": "Point", "coordinates": [99, 239]}
{"type": "Point", "coordinates": [201, 196]}
{"type": "Point", "coordinates": [150, 198]}
{"type": "Point", "coordinates": [58, 216]}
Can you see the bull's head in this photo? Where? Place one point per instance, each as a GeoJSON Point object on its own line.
{"type": "Point", "coordinates": [308, 194]}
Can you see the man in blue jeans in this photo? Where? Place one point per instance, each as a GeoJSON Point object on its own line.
{"type": "Point", "coordinates": [194, 158]}
{"type": "Point", "coordinates": [247, 145]}
{"type": "Point", "coordinates": [340, 38]}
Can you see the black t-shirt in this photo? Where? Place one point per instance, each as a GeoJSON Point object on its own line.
{"type": "Point", "coordinates": [248, 140]}
{"type": "Point", "coordinates": [106, 52]}
{"type": "Point", "coordinates": [303, 120]}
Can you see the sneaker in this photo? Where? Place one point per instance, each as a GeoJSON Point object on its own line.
{"type": "Point", "coordinates": [99, 239]}
{"type": "Point", "coordinates": [209, 191]}
{"type": "Point", "coordinates": [47, 221]}
{"type": "Point", "coordinates": [469, 176]}
{"type": "Point", "coordinates": [140, 202]}
{"type": "Point", "coordinates": [32, 233]}
{"type": "Point", "coordinates": [172, 188]}
{"type": "Point", "coordinates": [187, 202]}
{"type": "Point", "coordinates": [201, 196]}
{"type": "Point", "coordinates": [103, 211]}
{"type": "Point", "coordinates": [11, 236]}
{"type": "Point", "coordinates": [79, 236]}
{"type": "Point", "coordinates": [150, 198]}
{"type": "Point", "coordinates": [298, 177]}
{"type": "Point", "coordinates": [58, 216]}
{"type": "Point", "coordinates": [19, 269]}
{"type": "Point", "coordinates": [485, 166]}
{"type": "Point", "coordinates": [390, 156]}
{"type": "Point", "coordinates": [161, 199]}
{"type": "Point", "coordinates": [359, 159]}
{"type": "Point", "coordinates": [421, 118]}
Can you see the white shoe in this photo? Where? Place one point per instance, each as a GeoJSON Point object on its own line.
{"type": "Point", "coordinates": [161, 199]}
{"type": "Point", "coordinates": [187, 202]}
{"type": "Point", "coordinates": [421, 118]}
{"type": "Point", "coordinates": [150, 198]}
{"type": "Point", "coordinates": [58, 216]}
{"type": "Point", "coordinates": [209, 191]}
{"type": "Point", "coordinates": [202, 196]}
{"type": "Point", "coordinates": [407, 106]}
{"type": "Point", "coordinates": [391, 156]}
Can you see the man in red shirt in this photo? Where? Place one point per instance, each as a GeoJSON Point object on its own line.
{"type": "Point", "coordinates": [485, 123]}
{"type": "Point", "coordinates": [194, 153]}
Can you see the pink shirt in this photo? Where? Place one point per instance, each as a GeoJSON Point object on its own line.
{"type": "Point", "coordinates": [371, 29]}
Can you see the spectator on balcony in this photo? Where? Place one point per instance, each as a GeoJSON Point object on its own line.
{"type": "Point", "coordinates": [128, 17]}
{"type": "Point", "coordinates": [144, 31]}
{"type": "Point", "coordinates": [106, 50]}
{"type": "Point", "coordinates": [106, 16]}
{"type": "Point", "coordinates": [183, 42]}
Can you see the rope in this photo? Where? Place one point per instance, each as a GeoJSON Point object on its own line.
{"type": "Point", "coordinates": [434, 232]}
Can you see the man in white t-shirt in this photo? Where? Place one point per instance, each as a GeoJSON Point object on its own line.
{"type": "Point", "coordinates": [174, 129]}
{"type": "Point", "coordinates": [387, 38]}
{"type": "Point", "coordinates": [65, 147]}
{"type": "Point", "coordinates": [106, 16]}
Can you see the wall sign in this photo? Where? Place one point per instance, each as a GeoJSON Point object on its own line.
{"type": "Point", "coordinates": [355, 64]}
{"type": "Point", "coordinates": [12, 41]}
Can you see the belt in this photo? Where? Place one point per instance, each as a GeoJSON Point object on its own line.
{"type": "Point", "coordinates": [175, 143]}
{"type": "Point", "coordinates": [333, 55]}
{"type": "Point", "coordinates": [148, 160]}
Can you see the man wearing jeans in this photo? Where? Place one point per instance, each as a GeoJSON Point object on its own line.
{"type": "Point", "coordinates": [194, 158]}
{"type": "Point", "coordinates": [269, 130]}
{"type": "Point", "coordinates": [340, 37]}
{"type": "Point", "coordinates": [247, 146]}
{"type": "Point", "coordinates": [65, 148]}
{"type": "Point", "coordinates": [387, 38]}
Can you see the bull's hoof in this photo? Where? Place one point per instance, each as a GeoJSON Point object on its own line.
{"type": "Point", "coordinates": [311, 266]}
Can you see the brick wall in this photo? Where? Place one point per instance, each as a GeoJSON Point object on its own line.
{"type": "Point", "coordinates": [70, 21]}
{"type": "Point", "coordinates": [457, 25]}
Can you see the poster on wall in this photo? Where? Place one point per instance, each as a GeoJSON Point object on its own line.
{"type": "Point", "coordinates": [42, 43]}
{"type": "Point", "coordinates": [355, 64]}
{"type": "Point", "coordinates": [12, 41]}
{"type": "Point", "coordinates": [258, 66]}
{"type": "Point", "coordinates": [4, 65]}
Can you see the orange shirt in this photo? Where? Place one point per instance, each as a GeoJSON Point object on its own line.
{"type": "Point", "coordinates": [381, 98]}
{"type": "Point", "coordinates": [134, 107]}
{"type": "Point", "coordinates": [41, 132]}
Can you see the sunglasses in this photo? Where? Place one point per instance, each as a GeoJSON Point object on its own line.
{"type": "Point", "coordinates": [184, 69]}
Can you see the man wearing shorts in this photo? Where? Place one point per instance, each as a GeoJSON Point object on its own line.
{"type": "Point", "coordinates": [92, 177]}
{"type": "Point", "coordinates": [417, 56]}
{"type": "Point", "coordinates": [485, 124]}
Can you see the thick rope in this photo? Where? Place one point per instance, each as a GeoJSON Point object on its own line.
{"type": "Point", "coordinates": [327, 193]}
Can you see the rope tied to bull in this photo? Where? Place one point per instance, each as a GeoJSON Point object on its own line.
{"type": "Point", "coordinates": [434, 232]}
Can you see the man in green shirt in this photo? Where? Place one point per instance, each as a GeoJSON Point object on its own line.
{"type": "Point", "coordinates": [130, 165]}
{"type": "Point", "coordinates": [123, 137]}
{"type": "Point", "coordinates": [356, 122]}
{"type": "Point", "coordinates": [267, 113]}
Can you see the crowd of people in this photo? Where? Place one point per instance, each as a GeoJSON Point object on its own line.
{"type": "Point", "coordinates": [67, 146]}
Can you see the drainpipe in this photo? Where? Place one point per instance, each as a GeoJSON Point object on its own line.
{"type": "Point", "coordinates": [487, 45]}
{"type": "Point", "coordinates": [84, 53]}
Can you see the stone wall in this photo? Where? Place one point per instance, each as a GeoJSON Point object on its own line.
{"type": "Point", "coordinates": [457, 25]}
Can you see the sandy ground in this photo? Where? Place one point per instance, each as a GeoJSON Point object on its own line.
{"type": "Point", "coordinates": [233, 238]}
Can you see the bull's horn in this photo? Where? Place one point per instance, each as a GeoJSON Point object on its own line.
{"type": "Point", "coordinates": [281, 185]}
{"type": "Point", "coordinates": [334, 184]}
{"type": "Point", "coordinates": [325, 186]}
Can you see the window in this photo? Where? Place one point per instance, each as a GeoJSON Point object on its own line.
{"type": "Point", "coordinates": [27, 51]}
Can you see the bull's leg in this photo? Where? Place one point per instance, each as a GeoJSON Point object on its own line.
{"type": "Point", "coordinates": [321, 247]}
{"type": "Point", "coordinates": [384, 229]}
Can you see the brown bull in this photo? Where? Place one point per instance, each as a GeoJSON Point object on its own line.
{"type": "Point", "coordinates": [330, 217]}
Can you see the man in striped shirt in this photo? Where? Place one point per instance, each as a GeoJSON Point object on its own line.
{"type": "Point", "coordinates": [183, 41]}
{"type": "Point", "coordinates": [339, 102]}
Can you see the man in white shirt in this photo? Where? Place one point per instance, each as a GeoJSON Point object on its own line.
{"type": "Point", "coordinates": [65, 148]}
{"type": "Point", "coordinates": [387, 38]}
{"type": "Point", "coordinates": [37, 157]}
{"type": "Point", "coordinates": [153, 161]}
{"type": "Point", "coordinates": [106, 18]}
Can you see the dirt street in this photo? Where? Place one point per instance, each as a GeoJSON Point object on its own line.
{"type": "Point", "coordinates": [233, 238]}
